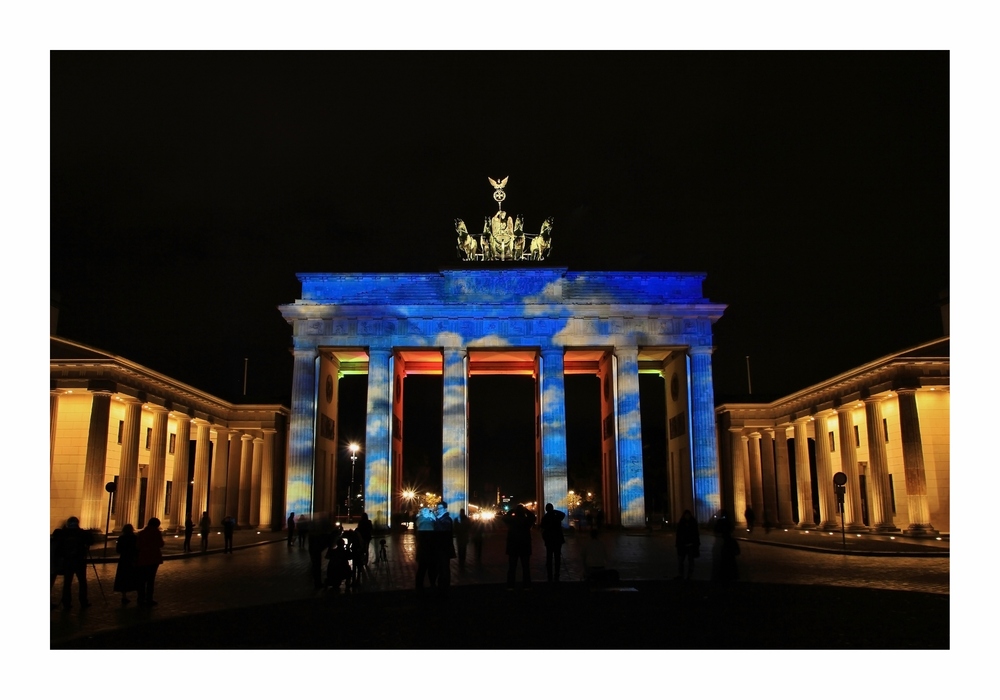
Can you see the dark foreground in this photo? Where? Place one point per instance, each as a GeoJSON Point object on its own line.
{"type": "Point", "coordinates": [636, 615]}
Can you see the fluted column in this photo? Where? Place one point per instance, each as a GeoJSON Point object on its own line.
{"type": "Point", "coordinates": [220, 469]}
{"type": "Point", "coordinates": [53, 422]}
{"type": "Point", "coordinates": [199, 496]}
{"type": "Point", "coordinates": [824, 475]}
{"type": "Point", "coordinates": [631, 489]}
{"type": "Point", "coordinates": [377, 473]}
{"type": "Point", "coordinates": [703, 440]}
{"type": "Point", "coordinates": [802, 476]}
{"type": "Point", "coordinates": [232, 501]}
{"type": "Point", "coordinates": [95, 467]}
{"type": "Point", "coordinates": [880, 504]}
{"type": "Point", "coordinates": [156, 482]}
{"type": "Point", "coordinates": [126, 497]}
{"type": "Point", "coordinates": [267, 479]}
{"type": "Point", "coordinates": [255, 477]}
{"type": "Point", "coordinates": [178, 495]}
{"type": "Point", "coordinates": [767, 476]}
{"type": "Point", "coordinates": [301, 433]}
{"type": "Point", "coordinates": [756, 484]}
{"type": "Point", "coordinates": [738, 444]}
{"type": "Point", "coordinates": [555, 487]}
{"type": "Point", "coordinates": [454, 440]}
{"type": "Point", "coordinates": [849, 465]}
{"type": "Point", "coordinates": [243, 518]}
{"type": "Point", "coordinates": [782, 477]}
{"type": "Point", "coordinates": [913, 465]}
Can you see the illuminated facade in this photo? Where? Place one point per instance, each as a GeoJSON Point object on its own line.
{"type": "Point", "coordinates": [540, 322]}
{"type": "Point", "coordinates": [885, 425]}
{"type": "Point", "coordinates": [170, 448]}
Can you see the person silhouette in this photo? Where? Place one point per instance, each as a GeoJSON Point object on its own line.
{"type": "Point", "coordinates": [205, 525]}
{"type": "Point", "coordinates": [553, 539]}
{"type": "Point", "coordinates": [128, 550]}
{"type": "Point", "coordinates": [462, 525]}
{"type": "Point", "coordinates": [519, 524]}
{"type": "Point", "coordinates": [291, 530]}
{"type": "Point", "coordinates": [724, 551]}
{"type": "Point", "coordinates": [687, 543]}
{"type": "Point", "coordinates": [228, 526]}
{"type": "Point", "coordinates": [188, 531]}
{"type": "Point", "coordinates": [426, 556]}
{"type": "Point", "coordinates": [751, 518]}
{"type": "Point", "coordinates": [444, 548]}
{"type": "Point", "coordinates": [149, 543]}
{"type": "Point", "coordinates": [72, 545]}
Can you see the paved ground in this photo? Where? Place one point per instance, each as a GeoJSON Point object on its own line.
{"type": "Point", "coordinates": [796, 590]}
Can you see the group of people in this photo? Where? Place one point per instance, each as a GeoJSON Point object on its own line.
{"type": "Point", "coordinates": [724, 550]}
{"type": "Point", "coordinates": [435, 546]}
{"type": "Point", "coordinates": [139, 556]}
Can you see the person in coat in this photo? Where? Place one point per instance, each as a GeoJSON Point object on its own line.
{"type": "Point", "coordinates": [72, 547]}
{"type": "Point", "coordinates": [687, 543]}
{"type": "Point", "coordinates": [519, 524]}
{"type": "Point", "coordinates": [444, 547]}
{"type": "Point", "coordinates": [149, 542]}
{"type": "Point", "coordinates": [128, 550]}
{"type": "Point", "coordinates": [553, 539]}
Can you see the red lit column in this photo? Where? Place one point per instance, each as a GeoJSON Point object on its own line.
{"type": "Point", "coordinates": [878, 482]}
{"type": "Point", "coordinates": [913, 465]}
{"type": "Point", "coordinates": [94, 512]}
{"type": "Point", "coordinates": [849, 465]}
{"type": "Point", "coordinates": [802, 476]}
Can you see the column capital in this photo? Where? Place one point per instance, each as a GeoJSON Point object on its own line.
{"type": "Point", "coordinates": [872, 400]}
{"type": "Point", "coordinates": [846, 408]}
{"type": "Point", "coordinates": [907, 390]}
{"type": "Point", "coordinates": [700, 350]}
{"type": "Point", "coordinates": [734, 429]}
{"type": "Point", "coordinates": [269, 431]}
{"type": "Point", "coordinates": [744, 438]}
{"type": "Point", "coordinates": [769, 431]}
{"type": "Point", "coordinates": [157, 408]}
{"type": "Point", "coordinates": [258, 440]}
{"type": "Point", "coordinates": [246, 438]}
{"type": "Point", "coordinates": [803, 420]}
{"type": "Point", "coordinates": [755, 435]}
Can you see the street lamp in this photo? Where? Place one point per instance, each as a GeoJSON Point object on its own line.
{"type": "Point", "coordinates": [350, 493]}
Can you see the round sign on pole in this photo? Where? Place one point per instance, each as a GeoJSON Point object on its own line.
{"type": "Point", "coordinates": [111, 487]}
{"type": "Point", "coordinates": [840, 478]}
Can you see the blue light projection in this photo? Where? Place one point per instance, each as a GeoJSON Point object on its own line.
{"type": "Point", "coordinates": [548, 310]}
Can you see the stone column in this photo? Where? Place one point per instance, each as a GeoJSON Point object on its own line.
{"type": "Point", "coordinates": [632, 496]}
{"type": "Point", "coordinates": [267, 479]}
{"type": "Point", "coordinates": [53, 422]}
{"type": "Point", "coordinates": [802, 475]}
{"type": "Point", "coordinates": [738, 444]}
{"type": "Point", "coordinates": [703, 439]}
{"type": "Point", "coordinates": [849, 465]}
{"type": "Point", "coordinates": [376, 472]}
{"type": "Point", "coordinates": [454, 440]}
{"type": "Point", "coordinates": [199, 496]}
{"type": "Point", "coordinates": [824, 475]}
{"type": "Point", "coordinates": [94, 513]}
{"type": "Point", "coordinates": [156, 483]}
{"type": "Point", "coordinates": [881, 501]}
{"type": "Point", "coordinates": [127, 496]}
{"type": "Point", "coordinates": [782, 478]}
{"type": "Point", "coordinates": [756, 484]}
{"type": "Point", "coordinates": [178, 495]}
{"type": "Point", "coordinates": [913, 465]}
{"type": "Point", "coordinates": [301, 433]}
{"type": "Point", "coordinates": [243, 517]}
{"type": "Point", "coordinates": [255, 478]}
{"type": "Point", "coordinates": [232, 500]}
{"type": "Point", "coordinates": [767, 477]}
{"type": "Point", "coordinates": [555, 487]}
{"type": "Point", "coordinates": [220, 469]}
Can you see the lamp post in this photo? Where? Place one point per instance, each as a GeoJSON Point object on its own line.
{"type": "Point", "coordinates": [350, 493]}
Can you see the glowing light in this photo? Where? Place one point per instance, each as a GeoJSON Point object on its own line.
{"type": "Point", "coordinates": [891, 537]}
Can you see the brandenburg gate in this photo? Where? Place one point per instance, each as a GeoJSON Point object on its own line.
{"type": "Point", "coordinates": [545, 322]}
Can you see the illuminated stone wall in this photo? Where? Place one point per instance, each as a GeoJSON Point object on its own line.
{"type": "Point", "coordinates": [550, 311]}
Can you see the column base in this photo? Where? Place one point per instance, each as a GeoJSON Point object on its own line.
{"type": "Point", "coordinates": [829, 525]}
{"type": "Point", "coordinates": [921, 531]}
{"type": "Point", "coordinates": [856, 527]}
{"type": "Point", "coordinates": [880, 529]}
{"type": "Point", "coordinates": [785, 526]}
{"type": "Point", "coordinates": [806, 526]}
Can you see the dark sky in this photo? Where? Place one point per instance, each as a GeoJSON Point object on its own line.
{"type": "Point", "coordinates": [187, 189]}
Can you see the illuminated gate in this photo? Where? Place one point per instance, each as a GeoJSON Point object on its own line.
{"type": "Point", "coordinates": [548, 322]}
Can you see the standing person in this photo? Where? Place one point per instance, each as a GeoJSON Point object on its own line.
{"type": "Point", "coordinates": [751, 518]}
{"type": "Point", "coordinates": [519, 524]}
{"type": "Point", "coordinates": [149, 542]}
{"type": "Point", "coordinates": [302, 530]}
{"type": "Point", "coordinates": [688, 544]}
{"type": "Point", "coordinates": [338, 569]}
{"type": "Point", "coordinates": [444, 547]}
{"type": "Point", "coordinates": [72, 548]}
{"type": "Point", "coordinates": [128, 550]}
{"type": "Point", "coordinates": [365, 529]}
{"type": "Point", "coordinates": [426, 557]}
{"type": "Point", "coordinates": [291, 530]}
{"type": "Point", "coordinates": [462, 525]}
{"type": "Point", "coordinates": [724, 551]}
{"type": "Point", "coordinates": [205, 525]}
{"type": "Point", "coordinates": [188, 531]}
{"type": "Point", "coordinates": [228, 525]}
{"type": "Point", "coordinates": [553, 539]}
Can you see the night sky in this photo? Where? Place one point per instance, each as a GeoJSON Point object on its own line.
{"type": "Point", "coordinates": [187, 189]}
